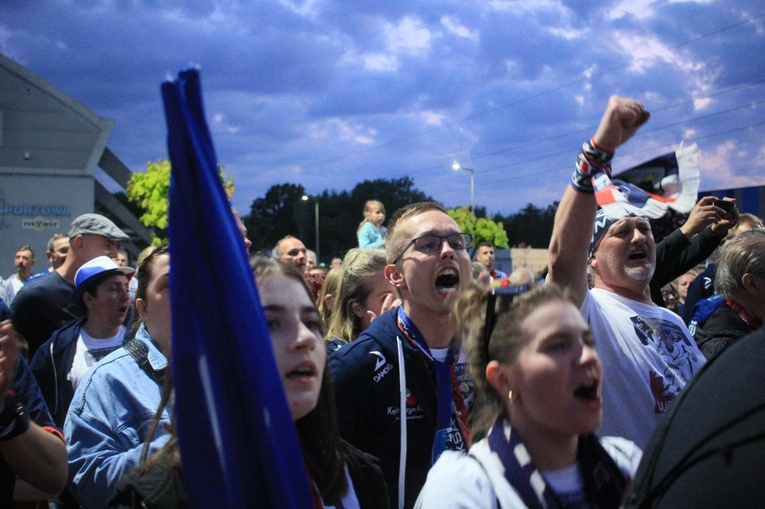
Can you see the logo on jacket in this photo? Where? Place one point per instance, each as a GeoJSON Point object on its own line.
{"type": "Point", "coordinates": [381, 360]}
{"type": "Point", "coordinates": [379, 370]}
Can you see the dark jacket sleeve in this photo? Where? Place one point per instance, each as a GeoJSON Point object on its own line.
{"type": "Point", "coordinates": [44, 374]}
{"type": "Point", "coordinates": [351, 378]}
{"type": "Point", "coordinates": [701, 288]}
{"type": "Point", "coordinates": [676, 255]}
{"type": "Point", "coordinates": [28, 391]}
{"type": "Point", "coordinates": [367, 477]}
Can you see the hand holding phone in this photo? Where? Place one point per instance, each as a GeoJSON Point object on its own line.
{"type": "Point", "coordinates": [727, 206]}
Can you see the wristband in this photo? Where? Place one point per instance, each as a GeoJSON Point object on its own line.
{"type": "Point", "coordinates": [590, 161]}
{"type": "Point", "coordinates": [14, 419]}
{"type": "Point", "coordinates": [596, 155]}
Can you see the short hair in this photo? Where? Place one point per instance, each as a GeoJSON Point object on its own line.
{"type": "Point", "coordinates": [276, 253]}
{"type": "Point", "coordinates": [56, 237]}
{"type": "Point", "coordinates": [394, 241]}
{"type": "Point", "coordinates": [26, 248]}
{"type": "Point", "coordinates": [750, 219]}
{"type": "Point", "coordinates": [743, 254]}
{"type": "Point", "coordinates": [479, 246]}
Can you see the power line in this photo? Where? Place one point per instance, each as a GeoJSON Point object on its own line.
{"type": "Point", "coordinates": [587, 130]}
{"type": "Point", "coordinates": [474, 116]}
{"type": "Point", "coordinates": [490, 171]}
{"type": "Point", "coordinates": [537, 173]}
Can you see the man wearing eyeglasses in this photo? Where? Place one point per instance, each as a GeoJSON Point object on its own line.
{"type": "Point", "coordinates": [429, 264]}
{"type": "Point", "coordinates": [647, 352]}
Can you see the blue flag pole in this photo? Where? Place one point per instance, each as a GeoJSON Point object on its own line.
{"type": "Point", "coordinates": [237, 439]}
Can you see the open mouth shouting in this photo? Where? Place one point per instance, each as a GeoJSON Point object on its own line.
{"type": "Point", "coordinates": [447, 280]}
{"type": "Point", "coordinates": [637, 254]}
{"type": "Point", "coordinates": [589, 390]}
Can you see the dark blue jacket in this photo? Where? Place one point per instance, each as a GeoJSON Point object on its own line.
{"type": "Point", "coordinates": [368, 396]}
{"type": "Point", "coordinates": [51, 365]}
{"type": "Point", "coordinates": [28, 392]}
{"type": "Point", "coordinates": [700, 288]}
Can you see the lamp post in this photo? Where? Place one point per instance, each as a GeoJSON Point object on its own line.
{"type": "Point", "coordinates": [316, 222]}
{"type": "Point", "coordinates": [457, 167]}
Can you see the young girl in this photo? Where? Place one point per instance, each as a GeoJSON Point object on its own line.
{"type": "Point", "coordinates": [371, 232]}
{"type": "Point", "coordinates": [538, 378]}
{"type": "Point", "coordinates": [340, 475]}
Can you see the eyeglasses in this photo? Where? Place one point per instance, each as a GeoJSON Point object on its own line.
{"type": "Point", "coordinates": [431, 243]}
{"type": "Point", "coordinates": [509, 292]}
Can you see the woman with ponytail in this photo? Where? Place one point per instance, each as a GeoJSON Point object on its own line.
{"type": "Point", "coordinates": [538, 403]}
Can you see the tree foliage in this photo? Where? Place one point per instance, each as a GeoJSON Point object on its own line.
{"type": "Point", "coordinates": [282, 212]}
{"type": "Point", "coordinates": [277, 214]}
{"type": "Point", "coordinates": [150, 192]}
{"type": "Point", "coordinates": [531, 226]}
{"type": "Point", "coordinates": [483, 229]}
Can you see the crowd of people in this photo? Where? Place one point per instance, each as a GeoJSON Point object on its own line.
{"type": "Point", "coordinates": [415, 376]}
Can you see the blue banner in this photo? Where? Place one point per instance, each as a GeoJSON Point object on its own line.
{"type": "Point", "coordinates": [237, 439]}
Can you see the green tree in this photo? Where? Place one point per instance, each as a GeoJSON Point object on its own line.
{"type": "Point", "coordinates": [282, 212]}
{"type": "Point", "coordinates": [483, 229]}
{"type": "Point", "coordinates": [149, 191]}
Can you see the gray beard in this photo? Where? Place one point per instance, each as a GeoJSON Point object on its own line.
{"type": "Point", "coordinates": [639, 273]}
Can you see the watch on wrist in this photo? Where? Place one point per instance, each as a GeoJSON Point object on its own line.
{"type": "Point", "coordinates": [14, 419]}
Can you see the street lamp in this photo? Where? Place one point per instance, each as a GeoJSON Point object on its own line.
{"type": "Point", "coordinates": [316, 222]}
{"type": "Point", "coordinates": [457, 167]}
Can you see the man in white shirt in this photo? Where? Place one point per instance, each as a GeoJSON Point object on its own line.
{"type": "Point", "coordinates": [647, 352]}
{"type": "Point", "coordinates": [24, 260]}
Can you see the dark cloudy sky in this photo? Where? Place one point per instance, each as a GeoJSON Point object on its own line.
{"type": "Point", "coordinates": [327, 93]}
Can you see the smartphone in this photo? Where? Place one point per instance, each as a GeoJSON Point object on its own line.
{"type": "Point", "coordinates": [727, 206]}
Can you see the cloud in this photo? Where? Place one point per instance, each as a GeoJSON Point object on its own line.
{"type": "Point", "coordinates": [328, 93]}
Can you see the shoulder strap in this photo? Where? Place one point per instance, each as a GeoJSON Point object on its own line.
{"type": "Point", "coordinates": [140, 353]}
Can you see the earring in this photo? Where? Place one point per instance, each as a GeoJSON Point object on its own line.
{"type": "Point", "coordinates": [510, 396]}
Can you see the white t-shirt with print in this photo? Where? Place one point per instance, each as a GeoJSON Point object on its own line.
{"type": "Point", "coordinates": [84, 356]}
{"type": "Point", "coordinates": [648, 357]}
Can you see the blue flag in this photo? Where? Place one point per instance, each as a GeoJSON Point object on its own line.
{"type": "Point", "coordinates": [238, 442]}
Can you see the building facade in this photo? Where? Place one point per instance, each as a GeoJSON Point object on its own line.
{"type": "Point", "coordinates": [50, 147]}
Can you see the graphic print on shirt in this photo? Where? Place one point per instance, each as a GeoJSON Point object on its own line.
{"type": "Point", "coordinates": [675, 349]}
{"type": "Point", "coordinates": [462, 371]}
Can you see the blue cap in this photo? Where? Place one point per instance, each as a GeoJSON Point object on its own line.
{"type": "Point", "coordinates": [95, 271]}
